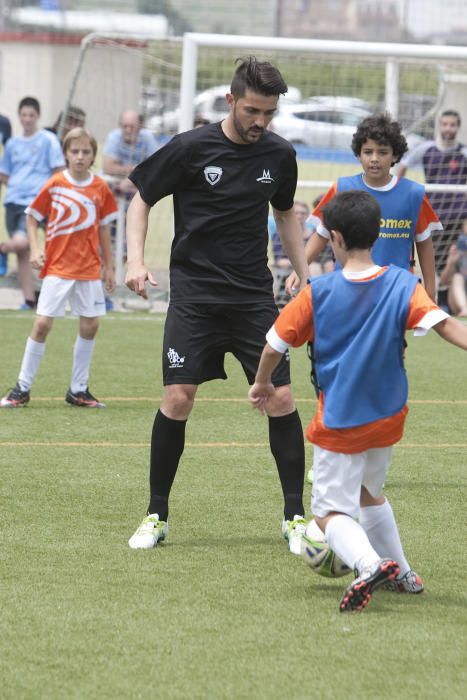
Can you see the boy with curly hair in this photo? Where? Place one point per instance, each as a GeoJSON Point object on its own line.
{"type": "Point", "coordinates": [407, 217]}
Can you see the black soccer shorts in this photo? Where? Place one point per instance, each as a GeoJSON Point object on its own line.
{"type": "Point", "coordinates": [197, 336]}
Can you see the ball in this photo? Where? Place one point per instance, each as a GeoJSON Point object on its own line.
{"type": "Point", "coordinates": [318, 554]}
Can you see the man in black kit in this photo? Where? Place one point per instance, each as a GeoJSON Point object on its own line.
{"type": "Point", "coordinates": [222, 177]}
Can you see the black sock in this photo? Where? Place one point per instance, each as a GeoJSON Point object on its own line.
{"type": "Point", "coordinates": [288, 448]}
{"type": "Point", "coordinates": [167, 444]}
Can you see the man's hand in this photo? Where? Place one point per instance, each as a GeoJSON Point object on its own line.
{"type": "Point", "coordinates": [136, 277]}
{"type": "Point", "coordinates": [259, 394]}
{"type": "Point", "coordinates": [292, 284]}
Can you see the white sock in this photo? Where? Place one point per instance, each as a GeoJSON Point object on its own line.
{"type": "Point", "coordinates": [32, 357]}
{"type": "Point", "coordinates": [380, 525]}
{"type": "Point", "coordinates": [349, 541]}
{"type": "Point", "coordinates": [82, 356]}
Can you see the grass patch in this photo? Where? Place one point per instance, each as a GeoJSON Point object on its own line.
{"type": "Point", "coordinates": [221, 610]}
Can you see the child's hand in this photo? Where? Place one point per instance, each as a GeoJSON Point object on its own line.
{"type": "Point", "coordinates": [37, 258]}
{"type": "Point", "coordinates": [109, 280]}
{"type": "Point", "coordinates": [259, 394]}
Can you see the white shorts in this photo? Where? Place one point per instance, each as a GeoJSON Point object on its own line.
{"type": "Point", "coordinates": [338, 478]}
{"type": "Point", "coordinates": [86, 297]}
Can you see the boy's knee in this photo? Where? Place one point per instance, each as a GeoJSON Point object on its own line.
{"type": "Point", "coordinates": [88, 327]}
{"type": "Point", "coordinates": [41, 328]}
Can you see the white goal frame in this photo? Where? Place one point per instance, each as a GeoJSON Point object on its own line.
{"type": "Point", "coordinates": [392, 53]}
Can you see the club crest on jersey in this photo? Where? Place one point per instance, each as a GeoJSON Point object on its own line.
{"type": "Point", "coordinates": [212, 174]}
{"type": "Point", "coordinates": [265, 177]}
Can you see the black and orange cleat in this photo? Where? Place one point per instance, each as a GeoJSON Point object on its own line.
{"type": "Point", "coordinates": [83, 398]}
{"type": "Point", "coordinates": [358, 594]}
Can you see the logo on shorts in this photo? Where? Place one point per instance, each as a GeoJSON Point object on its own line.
{"type": "Point", "coordinates": [174, 359]}
{"type": "Point", "coordinates": [212, 174]}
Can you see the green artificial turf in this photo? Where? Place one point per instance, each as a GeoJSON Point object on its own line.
{"type": "Point", "coordinates": [222, 609]}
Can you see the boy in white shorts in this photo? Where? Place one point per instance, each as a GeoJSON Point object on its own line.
{"type": "Point", "coordinates": [356, 318]}
{"type": "Point", "coordinates": [79, 207]}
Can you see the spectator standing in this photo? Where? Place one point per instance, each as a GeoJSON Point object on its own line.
{"type": "Point", "coordinates": [444, 162]}
{"type": "Point", "coordinates": [28, 162]}
{"type": "Point", "coordinates": [75, 116]}
{"type": "Point", "coordinates": [454, 275]}
{"type": "Point", "coordinates": [356, 319]}
{"type": "Point", "coordinates": [5, 134]}
{"type": "Point", "coordinates": [5, 130]}
{"type": "Point", "coordinates": [222, 177]}
{"type": "Point", "coordinates": [78, 206]}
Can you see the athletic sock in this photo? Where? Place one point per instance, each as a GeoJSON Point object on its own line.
{"type": "Point", "coordinates": [380, 525]}
{"type": "Point", "coordinates": [288, 449]}
{"type": "Point", "coordinates": [167, 445]}
{"type": "Point", "coordinates": [82, 356]}
{"type": "Point", "coordinates": [32, 357]}
{"type": "Point", "coordinates": [349, 541]}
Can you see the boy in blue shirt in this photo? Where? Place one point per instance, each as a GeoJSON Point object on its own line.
{"type": "Point", "coordinates": [356, 318]}
{"type": "Point", "coordinates": [28, 162]}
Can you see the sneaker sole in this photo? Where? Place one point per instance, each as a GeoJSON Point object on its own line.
{"type": "Point", "coordinates": [357, 596]}
{"type": "Point", "coordinates": [13, 405]}
{"type": "Point", "coordinates": [86, 405]}
{"type": "Point", "coordinates": [161, 538]}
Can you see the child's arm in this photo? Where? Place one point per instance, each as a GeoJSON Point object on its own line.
{"type": "Point", "coordinates": [106, 251]}
{"type": "Point", "coordinates": [36, 253]}
{"type": "Point", "coordinates": [263, 389]}
{"type": "Point", "coordinates": [453, 331]}
{"type": "Point", "coordinates": [426, 258]}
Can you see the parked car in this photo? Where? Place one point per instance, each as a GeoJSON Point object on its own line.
{"type": "Point", "coordinates": [318, 124]}
{"type": "Point", "coordinates": [325, 122]}
{"type": "Point", "coordinates": [209, 106]}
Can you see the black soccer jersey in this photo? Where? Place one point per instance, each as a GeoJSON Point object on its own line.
{"type": "Point", "coordinates": [221, 194]}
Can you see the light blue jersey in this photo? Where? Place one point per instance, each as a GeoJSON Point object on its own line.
{"type": "Point", "coordinates": [130, 153]}
{"type": "Point", "coordinates": [29, 161]}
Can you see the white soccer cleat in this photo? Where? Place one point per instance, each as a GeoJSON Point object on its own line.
{"type": "Point", "coordinates": [292, 531]}
{"type": "Point", "coordinates": [408, 583]}
{"type": "Point", "coordinates": [150, 532]}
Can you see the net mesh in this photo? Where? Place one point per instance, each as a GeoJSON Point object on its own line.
{"type": "Point", "coordinates": [331, 93]}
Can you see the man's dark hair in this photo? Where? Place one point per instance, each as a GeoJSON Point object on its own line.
{"type": "Point", "coordinates": [258, 76]}
{"type": "Point", "coordinates": [382, 129]}
{"type": "Point", "coordinates": [451, 113]}
{"type": "Point", "coordinates": [29, 102]}
{"type": "Point", "coordinates": [356, 215]}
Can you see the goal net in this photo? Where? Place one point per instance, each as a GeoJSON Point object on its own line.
{"type": "Point", "coordinates": [333, 85]}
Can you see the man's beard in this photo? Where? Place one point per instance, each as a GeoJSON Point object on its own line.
{"type": "Point", "coordinates": [251, 135]}
{"type": "Point", "coordinates": [448, 136]}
